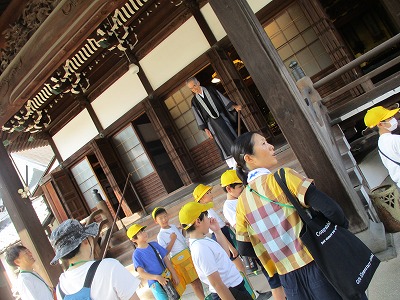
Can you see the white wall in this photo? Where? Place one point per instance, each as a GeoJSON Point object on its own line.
{"type": "Point", "coordinates": [119, 98]}
{"type": "Point", "coordinates": [256, 5]}
{"type": "Point", "coordinates": [177, 51]}
{"type": "Point", "coordinates": [75, 134]}
{"type": "Point", "coordinates": [213, 22]}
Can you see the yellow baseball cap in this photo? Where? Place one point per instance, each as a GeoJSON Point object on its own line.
{"type": "Point", "coordinates": [200, 191]}
{"type": "Point", "coordinates": [229, 177]}
{"type": "Point", "coordinates": [378, 114]}
{"type": "Point", "coordinates": [157, 209]}
{"type": "Point", "coordinates": [134, 229]}
{"type": "Point", "coordinates": [191, 211]}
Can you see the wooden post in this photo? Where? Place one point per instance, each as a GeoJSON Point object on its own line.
{"type": "Point", "coordinates": [25, 220]}
{"type": "Point", "coordinates": [318, 157]}
{"type": "Point", "coordinates": [5, 287]}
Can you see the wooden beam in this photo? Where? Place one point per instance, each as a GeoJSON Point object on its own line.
{"type": "Point", "coordinates": [63, 32]}
{"type": "Point", "coordinates": [317, 155]}
{"type": "Point", "coordinates": [25, 220]}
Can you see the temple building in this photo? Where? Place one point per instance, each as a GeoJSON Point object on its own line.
{"type": "Point", "coordinates": [103, 83]}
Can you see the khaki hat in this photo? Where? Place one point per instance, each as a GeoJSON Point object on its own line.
{"type": "Point", "coordinates": [229, 177]}
{"type": "Point", "coordinates": [200, 191]}
{"type": "Point", "coordinates": [191, 211]}
{"type": "Point", "coordinates": [133, 230]}
{"type": "Point", "coordinates": [156, 210]}
{"type": "Point", "coordinates": [378, 114]}
{"type": "Point", "coordinates": [69, 235]}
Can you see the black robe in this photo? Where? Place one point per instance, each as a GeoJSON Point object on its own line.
{"type": "Point", "coordinates": [222, 128]}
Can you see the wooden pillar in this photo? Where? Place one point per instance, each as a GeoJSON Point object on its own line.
{"type": "Point", "coordinates": [169, 137]}
{"type": "Point", "coordinates": [333, 43]}
{"type": "Point", "coordinates": [317, 156]}
{"type": "Point", "coordinates": [393, 10]}
{"type": "Point", "coordinates": [5, 287]}
{"type": "Point", "coordinates": [237, 91]}
{"type": "Point", "coordinates": [25, 220]}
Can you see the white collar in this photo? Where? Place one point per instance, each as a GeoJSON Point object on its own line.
{"type": "Point", "coordinates": [202, 92]}
{"type": "Point", "coordinates": [253, 174]}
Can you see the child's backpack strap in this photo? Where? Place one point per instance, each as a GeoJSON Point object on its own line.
{"type": "Point", "coordinates": [86, 286]}
{"type": "Point", "coordinates": [90, 274]}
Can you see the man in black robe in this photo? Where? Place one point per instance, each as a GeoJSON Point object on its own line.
{"type": "Point", "coordinates": [215, 114]}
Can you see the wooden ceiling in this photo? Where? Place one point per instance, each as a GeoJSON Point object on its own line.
{"type": "Point", "coordinates": [56, 76]}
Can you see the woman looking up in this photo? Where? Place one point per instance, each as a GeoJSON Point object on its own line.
{"type": "Point", "coordinates": [273, 228]}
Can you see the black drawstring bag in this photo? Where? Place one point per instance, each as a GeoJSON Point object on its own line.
{"type": "Point", "coordinates": [345, 260]}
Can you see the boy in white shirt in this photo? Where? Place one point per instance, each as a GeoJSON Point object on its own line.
{"type": "Point", "coordinates": [171, 238]}
{"type": "Point", "coordinates": [30, 285]}
{"type": "Point", "coordinates": [202, 194]}
{"type": "Point", "coordinates": [210, 257]}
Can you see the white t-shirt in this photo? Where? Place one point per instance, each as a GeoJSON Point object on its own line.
{"type": "Point", "coordinates": [213, 214]}
{"type": "Point", "coordinates": [390, 145]}
{"type": "Point", "coordinates": [111, 281]}
{"type": "Point", "coordinates": [163, 238]}
{"type": "Point", "coordinates": [209, 257]}
{"type": "Point", "coordinates": [229, 211]}
{"type": "Point", "coordinates": [31, 287]}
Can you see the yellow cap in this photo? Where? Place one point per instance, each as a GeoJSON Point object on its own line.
{"type": "Point", "coordinates": [134, 229]}
{"type": "Point", "coordinates": [155, 210]}
{"type": "Point", "coordinates": [378, 114]}
{"type": "Point", "coordinates": [191, 211]}
{"type": "Point", "coordinates": [200, 191]}
{"type": "Point", "coordinates": [229, 177]}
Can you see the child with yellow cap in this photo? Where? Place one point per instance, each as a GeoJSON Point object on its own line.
{"type": "Point", "coordinates": [171, 238]}
{"type": "Point", "coordinates": [388, 143]}
{"type": "Point", "coordinates": [233, 187]}
{"type": "Point", "coordinates": [151, 262]}
{"type": "Point", "coordinates": [202, 194]}
{"type": "Point", "coordinates": [210, 257]}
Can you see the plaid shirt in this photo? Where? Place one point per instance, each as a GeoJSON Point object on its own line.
{"type": "Point", "coordinates": [273, 230]}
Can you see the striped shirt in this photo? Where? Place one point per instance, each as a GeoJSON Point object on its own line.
{"type": "Point", "coordinates": [272, 229]}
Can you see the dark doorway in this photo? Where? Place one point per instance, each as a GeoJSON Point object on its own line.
{"type": "Point", "coordinates": [105, 184]}
{"type": "Point", "coordinates": [157, 154]}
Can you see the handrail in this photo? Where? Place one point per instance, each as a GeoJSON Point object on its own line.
{"type": "Point", "coordinates": [116, 215]}
{"type": "Point", "coordinates": [356, 62]}
{"type": "Point", "coordinates": [362, 79]}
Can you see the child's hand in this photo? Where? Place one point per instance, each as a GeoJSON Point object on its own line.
{"type": "Point", "coordinates": [175, 279]}
{"type": "Point", "coordinates": [214, 225]}
{"type": "Point", "coordinates": [234, 252]}
{"type": "Point", "coordinates": [173, 237]}
{"type": "Point", "coordinates": [161, 280]}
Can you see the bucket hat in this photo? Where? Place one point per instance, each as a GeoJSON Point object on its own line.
{"type": "Point", "coordinates": [191, 211]}
{"type": "Point", "coordinates": [378, 114]}
{"type": "Point", "coordinates": [69, 235]}
{"type": "Point", "coordinates": [229, 177]}
{"type": "Point", "coordinates": [200, 191]}
{"type": "Point", "coordinates": [134, 229]}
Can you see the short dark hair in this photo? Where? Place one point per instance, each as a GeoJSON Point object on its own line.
{"type": "Point", "coordinates": [72, 253]}
{"type": "Point", "coordinates": [232, 185]}
{"type": "Point", "coordinates": [159, 211]}
{"type": "Point", "coordinates": [135, 236]}
{"type": "Point", "coordinates": [192, 227]}
{"type": "Point", "coordinates": [13, 253]}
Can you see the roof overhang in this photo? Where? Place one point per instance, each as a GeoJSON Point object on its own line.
{"type": "Point", "coordinates": [60, 35]}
